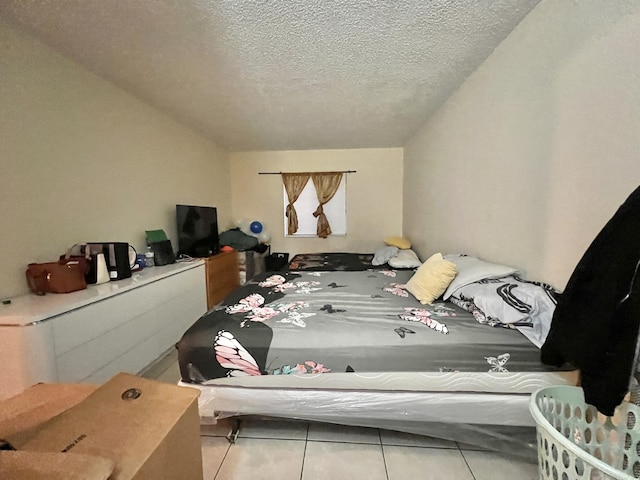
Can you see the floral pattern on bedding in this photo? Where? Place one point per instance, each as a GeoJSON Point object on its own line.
{"type": "Point", "coordinates": [423, 316]}
{"type": "Point", "coordinates": [326, 322]}
{"type": "Point", "coordinates": [232, 355]}
{"type": "Point", "coordinates": [479, 315]}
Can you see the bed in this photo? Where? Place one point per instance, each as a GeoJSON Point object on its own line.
{"type": "Point", "coordinates": [357, 348]}
{"type": "Point", "coordinates": [387, 257]}
{"type": "Point", "coordinates": [331, 261]}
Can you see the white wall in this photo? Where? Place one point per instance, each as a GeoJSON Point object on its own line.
{"type": "Point", "coordinates": [374, 195]}
{"type": "Point", "coordinates": [530, 158]}
{"type": "Point", "coordinates": [82, 160]}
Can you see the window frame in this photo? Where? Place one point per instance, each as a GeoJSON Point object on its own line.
{"type": "Point", "coordinates": [335, 211]}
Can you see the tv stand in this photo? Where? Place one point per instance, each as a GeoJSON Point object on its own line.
{"type": "Point", "coordinates": [222, 274]}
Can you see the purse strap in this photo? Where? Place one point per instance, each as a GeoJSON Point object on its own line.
{"type": "Point", "coordinates": [84, 247]}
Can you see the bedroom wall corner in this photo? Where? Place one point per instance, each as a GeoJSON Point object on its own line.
{"type": "Point", "coordinates": [533, 154]}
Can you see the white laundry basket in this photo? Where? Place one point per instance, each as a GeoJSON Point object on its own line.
{"type": "Point", "coordinates": [577, 442]}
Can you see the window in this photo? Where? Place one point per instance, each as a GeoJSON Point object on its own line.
{"type": "Point", "coordinates": [335, 210]}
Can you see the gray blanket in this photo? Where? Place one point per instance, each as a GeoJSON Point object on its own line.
{"type": "Point", "coordinates": [323, 322]}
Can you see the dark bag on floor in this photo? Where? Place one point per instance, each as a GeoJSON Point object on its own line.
{"type": "Point", "coordinates": [276, 261]}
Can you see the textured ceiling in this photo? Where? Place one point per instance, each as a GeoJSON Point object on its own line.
{"type": "Point", "coordinates": [280, 74]}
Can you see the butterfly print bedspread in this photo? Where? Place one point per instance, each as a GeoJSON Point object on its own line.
{"type": "Point", "coordinates": [300, 323]}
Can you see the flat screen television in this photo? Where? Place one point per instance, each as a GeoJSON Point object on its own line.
{"type": "Point", "coordinates": [197, 230]}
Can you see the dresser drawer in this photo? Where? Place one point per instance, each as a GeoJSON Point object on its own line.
{"type": "Point", "coordinates": [223, 276]}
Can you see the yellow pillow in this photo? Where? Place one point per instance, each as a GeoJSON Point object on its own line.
{"type": "Point", "coordinates": [432, 279]}
{"type": "Point", "coordinates": [401, 243]}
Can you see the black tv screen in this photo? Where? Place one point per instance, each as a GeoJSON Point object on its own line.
{"type": "Point", "coordinates": [197, 230]}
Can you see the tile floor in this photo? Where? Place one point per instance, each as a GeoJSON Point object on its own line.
{"type": "Point", "coordinates": [287, 449]}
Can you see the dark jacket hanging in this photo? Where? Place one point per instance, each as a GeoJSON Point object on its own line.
{"type": "Point", "coordinates": [595, 324]}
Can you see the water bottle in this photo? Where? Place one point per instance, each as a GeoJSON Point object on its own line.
{"type": "Point", "coordinates": [148, 258]}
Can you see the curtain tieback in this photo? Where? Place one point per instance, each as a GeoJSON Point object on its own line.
{"type": "Point", "coordinates": [319, 211]}
{"type": "Point", "coordinates": [289, 210]}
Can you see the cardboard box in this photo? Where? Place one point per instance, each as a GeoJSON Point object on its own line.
{"type": "Point", "coordinates": [36, 405]}
{"type": "Point", "coordinates": [53, 466]}
{"type": "Point", "coordinates": [139, 428]}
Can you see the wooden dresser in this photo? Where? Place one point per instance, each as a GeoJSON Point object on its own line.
{"type": "Point", "coordinates": [222, 275]}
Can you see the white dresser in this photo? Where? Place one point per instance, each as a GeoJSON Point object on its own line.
{"type": "Point", "coordinates": [90, 335]}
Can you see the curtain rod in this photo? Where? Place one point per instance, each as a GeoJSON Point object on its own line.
{"type": "Point", "coordinates": [280, 173]}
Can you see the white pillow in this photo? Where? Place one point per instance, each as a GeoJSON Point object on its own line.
{"type": "Point", "coordinates": [405, 259]}
{"type": "Point", "coordinates": [514, 300]}
{"type": "Point", "coordinates": [382, 255]}
{"type": "Point", "coordinates": [471, 269]}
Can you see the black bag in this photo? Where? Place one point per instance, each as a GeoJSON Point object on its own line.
{"type": "Point", "coordinates": [276, 261]}
{"type": "Point", "coordinates": [162, 253]}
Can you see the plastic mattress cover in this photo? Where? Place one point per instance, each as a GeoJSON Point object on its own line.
{"type": "Point", "coordinates": [492, 421]}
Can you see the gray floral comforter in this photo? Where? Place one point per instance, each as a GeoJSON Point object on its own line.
{"type": "Point", "coordinates": [333, 321]}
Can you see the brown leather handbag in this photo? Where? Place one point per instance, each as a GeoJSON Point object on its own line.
{"type": "Point", "coordinates": [64, 276]}
{"type": "Point", "coordinates": [85, 256]}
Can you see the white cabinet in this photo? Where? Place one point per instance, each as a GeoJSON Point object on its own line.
{"type": "Point", "coordinates": [90, 335]}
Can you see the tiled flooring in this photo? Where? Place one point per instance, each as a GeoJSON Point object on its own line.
{"type": "Point", "coordinates": [284, 449]}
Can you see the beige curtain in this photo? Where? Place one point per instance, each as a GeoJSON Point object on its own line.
{"type": "Point", "coordinates": [294, 183]}
{"type": "Point", "coordinates": [326, 184]}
